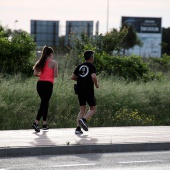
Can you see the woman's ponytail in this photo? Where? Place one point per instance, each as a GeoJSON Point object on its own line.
{"type": "Point", "coordinates": [41, 62]}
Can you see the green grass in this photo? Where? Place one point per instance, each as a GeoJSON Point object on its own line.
{"type": "Point", "coordinates": [119, 103]}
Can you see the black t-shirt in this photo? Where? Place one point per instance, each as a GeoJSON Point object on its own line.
{"type": "Point", "coordinates": [84, 79]}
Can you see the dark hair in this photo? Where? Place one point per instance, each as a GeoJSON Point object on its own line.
{"type": "Point", "coordinates": [88, 54]}
{"type": "Point", "coordinates": [41, 62]}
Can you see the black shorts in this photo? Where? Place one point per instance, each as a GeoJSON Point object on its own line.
{"type": "Point", "coordinates": [90, 99]}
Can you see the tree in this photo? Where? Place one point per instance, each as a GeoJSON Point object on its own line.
{"type": "Point", "coordinates": [112, 40]}
{"type": "Point", "coordinates": [102, 43]}
{"type": "Point", "coordinates": [6, 31]}
{"type": "Point", "coordinates": [62, 49]}
{"type": "Point", "coordinates": [131, 38]}
{"type": "Point", "coordinates": [166, 41]}
{"type": "Point", "coordinates": [16, 52]}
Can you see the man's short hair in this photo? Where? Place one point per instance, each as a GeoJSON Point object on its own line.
{"type": "Point", "coordinates": [88, 54]}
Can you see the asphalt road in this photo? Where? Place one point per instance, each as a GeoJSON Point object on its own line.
{"type": "Point", "coordinates": [112, 161]}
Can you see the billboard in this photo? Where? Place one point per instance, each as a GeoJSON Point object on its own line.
{"type": "Point", "coordinates": [45, 32]}
{"type": "Point", "coordinates": [149, 31]}
{"type": "Point", "coordinates": [77, 27]}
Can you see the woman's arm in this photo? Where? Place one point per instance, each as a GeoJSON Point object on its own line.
{"type": "Point", "coordinates": [36, 73]}
{"type": "Point", "coordinates": [55, 69]}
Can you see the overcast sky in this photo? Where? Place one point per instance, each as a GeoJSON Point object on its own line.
{"type": "Point", "coordinates": [94, 10]}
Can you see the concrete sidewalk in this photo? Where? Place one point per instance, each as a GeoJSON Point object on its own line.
{"type": "Point", "coordinates": [96, 140]}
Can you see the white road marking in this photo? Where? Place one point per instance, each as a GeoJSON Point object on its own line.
{"type": "Point", "coordinates": [140, 161]}
{"type": "Point", "coordinates": [54, 166]}
{"type": "Point", "coordinates": [72, 165]}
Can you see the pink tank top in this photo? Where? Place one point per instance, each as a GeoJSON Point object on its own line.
{"type": "Point", "coordinates": [47, 74]}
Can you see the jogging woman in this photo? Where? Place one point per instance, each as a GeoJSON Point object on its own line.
{"type": "Point", "coordinates": [46, 69]}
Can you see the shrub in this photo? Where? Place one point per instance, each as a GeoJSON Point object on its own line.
{"type": "Point", "coordinates": [132, 118]}
{"type": "Point", "coordinates": [130, 68]}
{"type": "Point", "coordinates": [160, 64]}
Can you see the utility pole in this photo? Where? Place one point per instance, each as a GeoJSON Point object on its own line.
{"type": "Point", "coordinates": [107, 15]}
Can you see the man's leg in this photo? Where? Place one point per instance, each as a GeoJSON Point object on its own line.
{"type": "Point", "coordinates": [91, 100]}
{"type": "Point", "coordinates": [81, 114]}
{"type": "Point", "coordinates": [90, 113]}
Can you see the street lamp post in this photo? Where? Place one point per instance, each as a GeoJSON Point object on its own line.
{"type": "Point", "coordinates": [15, 24]}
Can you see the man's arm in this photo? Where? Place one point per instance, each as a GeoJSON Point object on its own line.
{"type": "Point", "coordinates": [94, 79]}
{"type": "Point", "coordinates": [73, 77]}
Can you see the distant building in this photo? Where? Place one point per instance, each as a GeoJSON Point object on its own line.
{"type": "Point", "coordinates": [149, 31]}
{"type": "Point", "coordinates": [77, 27]}
{"type": "Point", "coordinates": [45, 32]}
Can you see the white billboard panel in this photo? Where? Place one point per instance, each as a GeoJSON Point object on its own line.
{"type": "Point", "coordinates": [151, 46]}
{"type": "Point", "coordinates": [149, 31]}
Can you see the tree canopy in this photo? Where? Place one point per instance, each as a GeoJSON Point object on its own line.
{"type": "Point", "coordinates": [166, 41]}
{"type": "Point", "coordinates": [16, 51]}
{"type": "Point", "coordinates": [131, 39]}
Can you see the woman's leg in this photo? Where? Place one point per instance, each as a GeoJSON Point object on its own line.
{"type": "Point", "coordinates": [47, 94]}
{"type": "Point", "coordinates": [40, 93]}
{"type": "Point", "coordinates": [44, 90]}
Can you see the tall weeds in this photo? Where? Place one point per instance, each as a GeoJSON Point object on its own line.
{"type": "Point", "coordinates": [119, 103]}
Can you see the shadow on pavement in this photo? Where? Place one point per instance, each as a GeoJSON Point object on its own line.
{"type": "Point", "coordinates": [42, 139]}
{"type": "Point", "coordinates": [87, 140]}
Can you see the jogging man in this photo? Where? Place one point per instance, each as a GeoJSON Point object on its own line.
{"type": "Point", "coordinates": [85, 75]}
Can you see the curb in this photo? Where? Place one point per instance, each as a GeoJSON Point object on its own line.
{"type": "Point", "coordinates": [82, 149]}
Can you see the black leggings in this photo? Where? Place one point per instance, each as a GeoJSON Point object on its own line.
{"type": "Point", "coordinates": [44, 89]}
